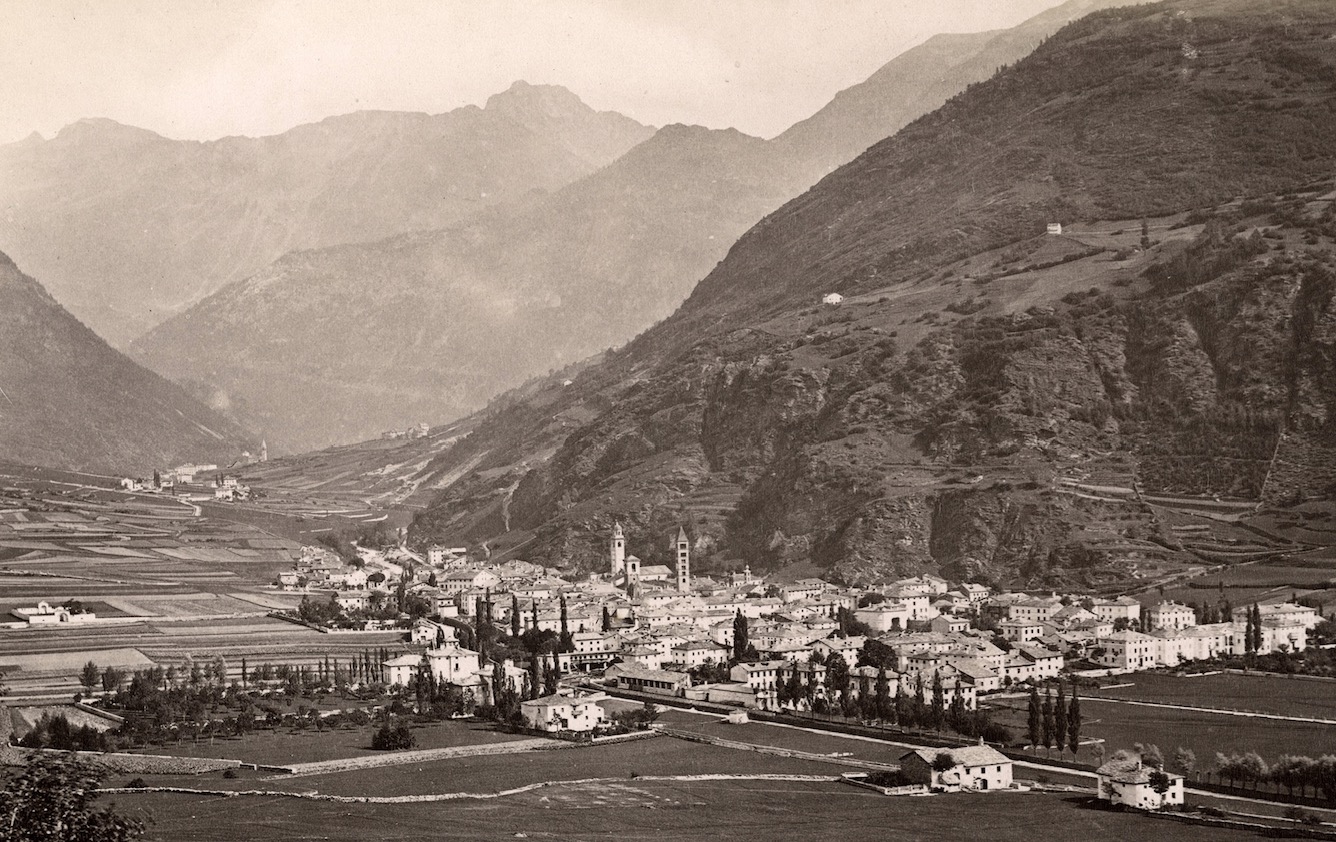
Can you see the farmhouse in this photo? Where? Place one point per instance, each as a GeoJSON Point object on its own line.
{"type": "Point", "coordinates": [46, 614]}
{"type": "Point", "coordinates": [978, 767]}
{"type": "Point", "coordinates": [1170, 615]}
{"type": "Point", "coordinates": [563, 712]}
{"type": "Point", "coordinates": [1126, 781]}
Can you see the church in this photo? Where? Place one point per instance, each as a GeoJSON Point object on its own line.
{"type": "Point", "coordinates": [628, 573]}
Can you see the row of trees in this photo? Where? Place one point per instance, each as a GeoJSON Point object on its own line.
{"type": "Point", "coordinates": [871, 699]}
{"type": "Point", "coordinates": [1048, 722]}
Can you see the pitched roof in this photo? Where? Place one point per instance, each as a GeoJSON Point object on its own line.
{"type": "Point", "coordinates": [964, 756]}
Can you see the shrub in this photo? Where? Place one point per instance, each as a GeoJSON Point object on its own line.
{"type": "Point", "coordinates": [393, 737]}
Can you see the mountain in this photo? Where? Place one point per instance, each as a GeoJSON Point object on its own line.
{"type": "Point", "coordinates": [337, 344]}
{"type": "Point", "coordinates": [128, 227]}
{"type": "Point", "coordinates": [1147, 391]}
{"type": "Point", "coordinates": [918, 81]}
{"type": "Point", "coordinates": [437, 319]}
{"type": "Point", "coordinates": [68, 400]}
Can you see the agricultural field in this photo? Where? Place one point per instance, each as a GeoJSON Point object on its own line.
{"type": "Point", "coordinates": [1258, 582]}
{"type": "Point", "coordinates": [285, 747]}
{"type": "Point", "coordinates": [1228, 691]}
{"type": "Point", "coordinates": [625, 808]}
{"type": "Point", "coordinates": [1122, 726]}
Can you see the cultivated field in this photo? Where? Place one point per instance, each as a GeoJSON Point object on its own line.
{"type": "Point", "coordinates": [629, 809]}
{"type": "Point", "coordinates": [283, 747]}
{"type": "Point", "coordinates": [1258, 693]}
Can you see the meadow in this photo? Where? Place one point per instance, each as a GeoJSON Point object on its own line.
{"type": "Point", "coordinates": [630, 809]}
{"type": "Point", "coordinates": [1285, 696]}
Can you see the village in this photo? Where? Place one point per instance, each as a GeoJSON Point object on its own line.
{"type": "Point", "coordinates": [660, 630]}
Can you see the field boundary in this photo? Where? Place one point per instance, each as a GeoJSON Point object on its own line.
{"type": "Point", "coordinates": [465, 796]}
{"type": "Point", "coordinates": [1221, 711]}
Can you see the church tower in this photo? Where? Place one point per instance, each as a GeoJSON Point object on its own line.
{"type": "Point", "coordinates": [683, 561]}
{"type": "Point", "coordinates": [618, 550]}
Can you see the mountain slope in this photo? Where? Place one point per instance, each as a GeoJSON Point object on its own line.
{"type": "Point", "coordinates": [128, 227]}
{"type": "Point", "coordinates": [917, 82]}
{"type": "Point", "coordinates": [989, 400]}
{"type": "Point", "coordinates": [337, 344]}
{"type": "Point", "coordinates": [68, 400]}
{"type": "Point", "coordinates": [583, 270]}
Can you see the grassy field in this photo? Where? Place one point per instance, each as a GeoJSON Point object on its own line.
{"type": "Point", "coordinates": [635, 810]}
{"type": "Point", "coordinates": [1121, 726]}
{"type": "Point", "coordinates": [1259, 693]}
{"type": "Point", "coordinates": [280, 748]}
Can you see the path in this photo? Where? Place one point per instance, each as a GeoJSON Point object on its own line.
{"type": "Point", "coordinates": [401, 758]}
{"type": "Point", "coordinates": [1220, 711]}
{"type": "Point", "coordinates": [461, 796]}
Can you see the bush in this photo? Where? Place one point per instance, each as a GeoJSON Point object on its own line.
{"type": "Point", "coordinates": [229, 773]}
{"type": "Point", "coordinates": [136, 783]}
{"type": "Point", "coordinates": [394, 737]}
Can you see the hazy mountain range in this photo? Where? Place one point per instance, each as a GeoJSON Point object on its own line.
{"type": "Point", "coordinates": [335, 345]}
{"type": "Point", "coordinates": [126, 227]}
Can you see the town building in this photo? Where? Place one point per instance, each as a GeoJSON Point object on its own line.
{"type": "Point", "coordinates": [1127, 781]}
{"type": "Point", "coordinates": [978, 767]}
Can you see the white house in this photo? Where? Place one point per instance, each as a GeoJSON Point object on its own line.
{"type": "Point", "coordinates": [1170, 615]}
{"type": "Point", "coordinates": [46, 614]}
{"type": "Point", "coordinates": [562, 712]}
{"type": "Point", "coordinates": [1127, 781]}
{"type": "Point", "coordinates": [978, 767]}
{"type": "Point", "coordinates": [832, 298]}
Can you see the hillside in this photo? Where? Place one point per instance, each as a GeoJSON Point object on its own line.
{"type": "Point", "coordinates": [917, 82]}
{"type": "Point", "coordinates": [127, 227]}
{"type": "Point", "coordinates": [436, 318]}
{"type": "Point", "coordinates": [68, 400]}
{"type": "Point", "coordinates": [989, 400]}
{"type": "Point", "coordinates": [335, 345]}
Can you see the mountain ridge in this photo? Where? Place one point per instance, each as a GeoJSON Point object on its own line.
{"type": "Point", "coordinates": [989, 400]}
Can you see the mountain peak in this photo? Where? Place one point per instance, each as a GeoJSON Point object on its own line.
{"type": "Point", "coordinates": [523, 96]}
{"type": "Point", "coordinates": [104, 129]}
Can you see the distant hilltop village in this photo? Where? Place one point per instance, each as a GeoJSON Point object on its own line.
{"type": "Point", "coordinates": [736, 639]}
{"type": "Point", "coordinates": [417, 431]}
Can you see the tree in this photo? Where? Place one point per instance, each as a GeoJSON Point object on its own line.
{"type": "Point", "coordinates": [1074, 722]}
{"type": "Point", "coordinates": [50, 801]}
{"type": "Point", "coordinates": [1151, 755]}
{"type": "Point", "coordinates": [1060, 720]}
{"type": "Point", "coordinates": [393, 737]}
{"type": "Point", "coordinates": [943, 762]}
{"type": "Point", "coordinates": [1257, 628]}
{"type": "Point", "coordinates": [1249, 647]}
{"type": "Point", "coordinates": [882, 695]}
{"type": "Point", "coordinates": [1034, 721]}
{"type": "Point", "coordinates": [938, 701]}
{"type": "Point", "coordinates": [1145, 234]}
{"type": "Point", "coordinates": [837, 679]}
{"type": "Point", "coordinates": [740, 642]}
{"type": "Point", "coordinates": [514, 615]}
{"type": "Point", "coordinates": [567, 642]}
{"type": "Point", "coordinates": [112, 679]}
{"type": "Point", "coordinates": [1046, 725]}
{"type": "Point", "coordinates": [607, 620]}
{"type": "Point", "coordinates": [89, 676]}
{"type": "Point", "coordinates": [1185, 760]}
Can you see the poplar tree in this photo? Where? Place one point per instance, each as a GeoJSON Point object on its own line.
{"type": "Point", "coordinates": [1046, 726]}
{"type": "Point", "coordinates": [938, 701]}
{"type": "Point", "coordinates": [567, 643]}
{"type": "Point", "coordinates": [514, 615]}
{"type": "Point", "coordinates": [1060, 720]}
{"type": "Point", "coordinates": [882, 694]}
{"type": "Point", "coordinates": [1035, 721]}
{"type": "Point", "coordinates": [1074, 722]}
{"type": "Point", "coordinates": [739, 636]}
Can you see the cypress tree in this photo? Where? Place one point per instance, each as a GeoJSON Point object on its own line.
{"type": "Point", "coordinates": [1046, 725]}
{"type": "Point", "coordinates": [607, 620]}
{"type": "Point", "coordinates": [1257, 628]}
{"type": "Point", "coordinates": [1074, 723]}
{"type": "Point", "coordinates": [739, 636]}
{"type": "Point", "coordinates": [938, 701]}
{"type": "Point", "coordinates": [882, 694]}
{"type": "Point", "coordinates": [567, 643]}
{"type": "Point", "coordinates": [1060, 720]}
{"type": "Point", "coordinates": [1248, 646]}
{"type": "Point", "coordinates": [535, 615]}
{"type": "Point", "coordinates": [534, 685]}
{"type": "Point", "coordinates": [1034, 723]}
{"type": "Point", "coordinates": [514, 616]}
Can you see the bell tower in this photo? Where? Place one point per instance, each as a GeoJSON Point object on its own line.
{"type": "Point", "coordinates": [618, 550]}
{"type": "Point", "coordinates": [683, 547]}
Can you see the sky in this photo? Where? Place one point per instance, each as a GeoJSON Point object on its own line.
{"type": "Point", "coordinates": [203, 69]}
